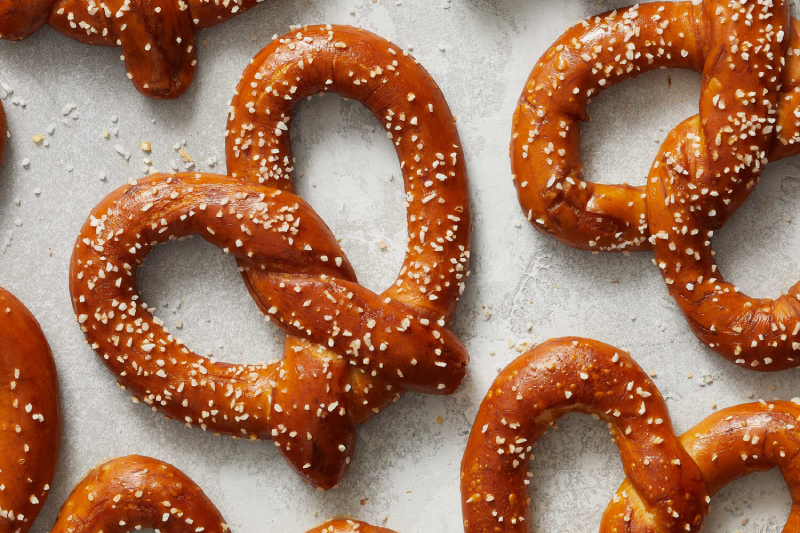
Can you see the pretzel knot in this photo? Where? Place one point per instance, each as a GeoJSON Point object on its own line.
{"type": "Point", "coordinates": [669, 480]}
{"type": "Point", "coordinates": [705, 169]}
{"type": "Point", "coordinates": [30, 416]}
{"type": "Point", "coordinates": [135, 492]}
{"type": "Point", "coordinates": [349, 353]}
{"type": "Point", "coordinates": [157, 37]}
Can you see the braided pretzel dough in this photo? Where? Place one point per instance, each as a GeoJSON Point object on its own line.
{"type": "Point", "coordinates": [704, 171]}
{"type": "Point", "coordinates": [135, 492]}
{"type": "Point", "coordinates": [538, 388]}
{"type": "Point", "coordinates": [349, 353]}
{"type": "Point", "coordinates": [30, 416]}
{"type": "Point", "coordinates": [157, 37]}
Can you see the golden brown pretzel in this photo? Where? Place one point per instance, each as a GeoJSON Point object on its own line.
{"type": "Point", "coordinates": [157, 37]}
{"type": "Point", "coordinates": [706, 168]}
{"type": "Point", "coordinates": [135, 492]}
{"type": "Point", "coordinates": [736, 442]}
{"type": "Point", "coordinates": [670, 480]}
{"type": "Point", "coordinates": [413, 111]}
{"type": "Point", "coordinates": [538, 388]}
{"type": "Point", "coordinates": [349, 353]}
{"type": "Point", "coordinates": [30, 416]}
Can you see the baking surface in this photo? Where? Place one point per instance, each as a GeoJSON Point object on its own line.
{"type": "Point", "coordinates": [524, 287]}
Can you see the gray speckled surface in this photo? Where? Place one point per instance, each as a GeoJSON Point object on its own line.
{"type": "Point", "coordinates": [406, 463]}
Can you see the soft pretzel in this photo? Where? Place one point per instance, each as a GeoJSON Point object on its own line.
{"type": "Point", "coordinates": [349, 353]}
{"type": "Point", "coordinates": [736, 442]}
{"type": "Point", "coordinates": [135, 492]}
{"type": "Point", "coordinates": [705, 169]}
{"type": "Point", "coordinates": [670, 480]}
{"type": "Point", "coordinates": [538, 388]}
{"type": "Point", "coordinates": [157, 37]}
{"type": "Point", "coordinates": [30, 416]}
{"type": "Point", "coordinates": [404, 98]}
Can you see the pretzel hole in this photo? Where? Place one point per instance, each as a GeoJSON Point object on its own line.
{"type": "Point", "coordinates": [759, 502]}
{"type": "Point", "coordinates": [348, 171]}
{"type": "Point", "coordinates": [757, 248]}
{"type": "Point", "coordinates": [580, 458]}
{"type": "Point", "coordinates": [193, 284]}
{"type": "Point", "coordinates": [631, 120]}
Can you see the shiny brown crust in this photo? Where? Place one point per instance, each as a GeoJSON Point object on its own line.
{"type": "Point", "coordinates": [404, 98]}
{"type": "Point", "coordinates": [157, 37]}
{"type": "Point", "coordinates": [349, 353]}
{"type": "Point", "coordinates": [134, 492]}
{"type": "Point", "coordinates": [670, 480]}
{"type": "Point", "coordinates": [666, 491]}
{"type": "Point", "coordinates": [30, 416]}
{"type": "Point", "coordinates": [3, 132]}
{"type": "Point", "coordinates": [348, 526]}
{"type": "Point", "coordinates": [705, 169]}
{"type": "Point", "coordinates": [138, 492]}
{"type": "Point", "coordinates": [736, 442]}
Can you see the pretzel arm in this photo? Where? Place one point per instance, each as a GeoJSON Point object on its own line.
{"type": "Point", "coordinates": [539, 387]}
{"type": "Point", "coordinates": [30, 416]}
{"type": "Point", "coordinates": [157, 37]}
{"type": "Point", "coordinates": [134, 492]}
{"type": "Point", "coordinates": [311, 425]}
{"type": "Point", "coordinates": [758, 333]}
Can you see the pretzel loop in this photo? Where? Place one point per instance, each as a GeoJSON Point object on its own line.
{"type": "Point", "coordinates": [415, 115]}
{"type": "Point", "coordinates": [608, 49]}
{"type": "Point", "coordinates": [349, 353]}
{"type": "Point", "coordinates": [135, 492]}
{"type": "Point", "coordinates": [538, 388]}
{"type": "Point", "coordinates": [30, 416]}
{"type": "Point", "coordinates": [545, 143]}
